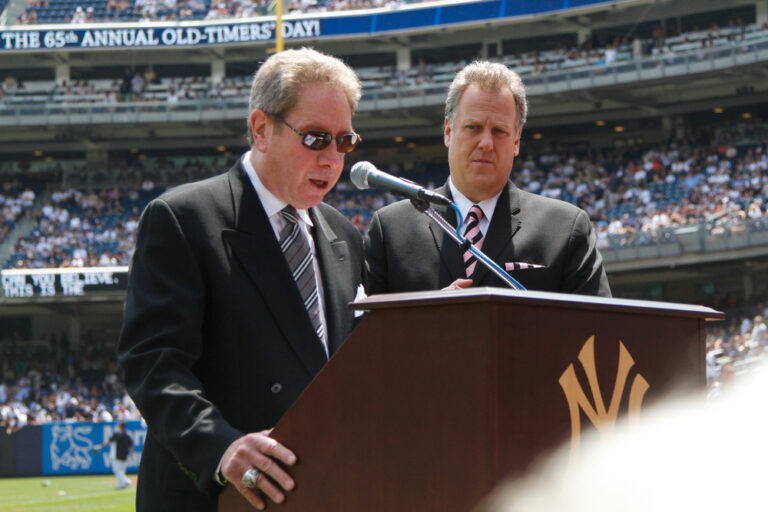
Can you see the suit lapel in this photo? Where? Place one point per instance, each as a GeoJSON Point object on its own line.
{"type": "Point", "coordinates": [449, 250]}
{"type": "Point", "coordinates": [255, 247]}
{"type": "Point", "coordinates": [504, 224]}
{"type": "Point", "coordinates": [332, 252]}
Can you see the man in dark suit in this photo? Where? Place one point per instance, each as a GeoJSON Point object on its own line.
{"type": "Point", "coordinates": [545, 244]}
{"type": "Point", "coordinates": [238, 293]}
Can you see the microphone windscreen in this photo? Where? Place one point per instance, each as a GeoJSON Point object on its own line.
{"type": "Point", "coordinates": [359, 174]}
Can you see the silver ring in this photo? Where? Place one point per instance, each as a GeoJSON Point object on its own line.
{"type": "Point", "coordinates": [250, 478]}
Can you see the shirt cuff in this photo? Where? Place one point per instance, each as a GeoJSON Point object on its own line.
{"type": "Point", "coordinates": [218, 476]}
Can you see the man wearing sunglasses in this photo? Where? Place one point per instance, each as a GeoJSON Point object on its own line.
{"type": "Point", "coordinates": [238, 291]}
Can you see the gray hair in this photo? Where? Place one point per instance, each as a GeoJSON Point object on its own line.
{"type": "Point", "coordinates": [278, 82]}
{"type": "Point", "coordinates": [491, 77]}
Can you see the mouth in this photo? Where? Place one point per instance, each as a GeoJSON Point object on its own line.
{"type": "Point", "coordinates": [321, 184]}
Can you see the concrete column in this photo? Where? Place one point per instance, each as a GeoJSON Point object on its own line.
{"type": "Point", "coordinates": [584, 34]}
{"type": "Point", "coordinates": [73, 332]}
{"type": "Point", "coordinates": [97, 158]}
{"type": "Point", "coordinates": [62, 73]}
{"type": "Point", "coordinates": [491, 48]}
{"type": "Point", "coordinates": [667, 127]}
{"type": "Point", "coordinates": [218, 71]}
{"type": "Point", "coordinates": [761, 11]}
{"type": "Point", "coordinates": [403, 59]}
{"type": "Point", "coordinates": [748, 287]}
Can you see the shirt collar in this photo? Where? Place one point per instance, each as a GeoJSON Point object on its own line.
{"type": "Point", "coordinates": [272, 205]}
{"type": "Point", "coordinates": [488, 205]}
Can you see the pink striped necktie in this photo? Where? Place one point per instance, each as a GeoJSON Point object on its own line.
{"type": "Point", "coordinates": [473, 234]}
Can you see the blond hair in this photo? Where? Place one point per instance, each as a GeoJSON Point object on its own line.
{"type": "Point", "coordinates": [491, 77]}
{"type": "Point", "coordinates": [277, 84]}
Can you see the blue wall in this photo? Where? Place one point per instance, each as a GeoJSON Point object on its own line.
{"type": "Point", "coordinates": [66, 449]}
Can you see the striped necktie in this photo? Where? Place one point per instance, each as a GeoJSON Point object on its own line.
{"type": "Point", "coordinates": [296, 250]}
{"type": "Point", "coordinates": [473, 234]}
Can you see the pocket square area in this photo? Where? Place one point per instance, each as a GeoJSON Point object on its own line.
{"type": "Point", "coordinates": [519, 265]}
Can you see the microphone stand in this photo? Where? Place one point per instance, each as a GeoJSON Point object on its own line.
{"type": "Point", "coordinates": [424, 207]}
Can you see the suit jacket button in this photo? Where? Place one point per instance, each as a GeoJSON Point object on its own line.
{"type": "Point", "coordinates": [276, 388]}
{"type": "Point", "coordinates": [341, 258]}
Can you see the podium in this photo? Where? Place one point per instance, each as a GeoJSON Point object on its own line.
{"type": "Point", "coordinates": [437, 396]}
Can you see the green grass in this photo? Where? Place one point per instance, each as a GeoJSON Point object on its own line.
{"type": "Point", "coordinates": [66, 493]}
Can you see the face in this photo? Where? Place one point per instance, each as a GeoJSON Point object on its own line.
{"type": "Point", "coordinates": [483, 143]}
{"type": "Point", "coordinates": [293, 173]}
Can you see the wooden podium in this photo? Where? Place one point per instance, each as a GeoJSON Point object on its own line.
{"type": "Point", "coordinates": [437, 396]}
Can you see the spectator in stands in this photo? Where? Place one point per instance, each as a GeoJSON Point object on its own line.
{"type": "Point", "coordinates": [759, 335]}
{"type": "Point", "coordinates": [137, 83]}
{"type": "Point", "coordinates": [10, 85]}
{"type": "Point", "coordinates": [27, 17]}
{"type": "Point", "coordinates": [117, 5]}
{"type": "Point", "coordinates": [485, 112]}
{"type": "Point", "coordinates": [127, 79]}
{"type": "Point", "coordinates": [79, 16]}
{"type": "Point", "coordinates": [90, 16]}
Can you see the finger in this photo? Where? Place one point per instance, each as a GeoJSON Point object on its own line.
{"type": "Point", "coordinates": [269, 467]}
{"type": "Point", "coordinates": [459, 284]}
{"type": "Point", "coordinates": [270, 489]}
{"type": "Point", "coordinates": [276, 450]}
{"type": "Point", "coordinates": [251, 495]}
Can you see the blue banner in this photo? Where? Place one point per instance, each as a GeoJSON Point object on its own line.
{"type": "Point", "coordinates": [205, 33]}
{"type": "Point", "coordinates": [70, 448]}
{"type": "Point", "coordinates": [154, 37]}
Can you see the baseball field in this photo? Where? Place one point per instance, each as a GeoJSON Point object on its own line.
{"type": "Point", "coordinates": [66, 493]}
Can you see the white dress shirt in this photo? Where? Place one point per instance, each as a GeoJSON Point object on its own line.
{"type": "Point", "coordinates": [272, 205]}
{"type": "Point", "coordinates": [488, 206]}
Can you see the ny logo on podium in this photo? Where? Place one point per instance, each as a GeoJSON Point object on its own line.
{"type": "Point", "coordinates": [603, 419]}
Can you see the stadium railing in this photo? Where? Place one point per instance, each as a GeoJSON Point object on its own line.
{"type": "Point", "coordinates": [42, 111]}
{"type": "Point", "coordinates": [680, 241]}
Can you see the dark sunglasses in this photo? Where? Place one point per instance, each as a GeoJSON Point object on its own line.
{"type": "Point", "coordinates": [317, 140]}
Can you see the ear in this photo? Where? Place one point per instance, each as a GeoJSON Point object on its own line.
{"type": "Point", "coordinates": [261, 129]}
{"type": "Point", "coordinates": [447, 133]}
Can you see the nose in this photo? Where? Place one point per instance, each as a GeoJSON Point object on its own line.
{"type": "Point", "coordinates": [486, 140]}
{"type": "Point", "coordinates": [331, 157]}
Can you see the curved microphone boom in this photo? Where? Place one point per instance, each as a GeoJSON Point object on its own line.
{"type": "Point", "coordinates": [365, 175]}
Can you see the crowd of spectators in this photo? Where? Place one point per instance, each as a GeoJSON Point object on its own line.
{"type": "Point", "coordinates": [82, 229]}
{"type": "Point", "coordinates": [140, 85]}
{"type": "Point", "coordinates": [15, 200]}
{"type": "Point", "coordinates": [736, 347]}
{"type": "Point", "coordinates": [171, 10]}
{"type": "Point", "coordinates": [634, 196]}
{"type": "Point", "coordinates": [44, 382]}
{"type": "Point", "coordinates": [143, 85]}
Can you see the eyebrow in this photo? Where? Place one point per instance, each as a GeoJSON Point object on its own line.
{"type": "Point", "coordinates": [502, 124]}
{"type": "Point", "coordinates": [316, 128]}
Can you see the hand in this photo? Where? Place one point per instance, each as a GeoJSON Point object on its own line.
{"type": "Point", "coordinates": [258, 450]}
{"type": "Point", "coordinates": [459, 284]}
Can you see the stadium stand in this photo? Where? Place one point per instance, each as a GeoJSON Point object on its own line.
{"type": "Point", "coordinates": [44, 381]}
{"type": "Point", "coordinates": [634, 197]}
{"type": "Point", "coordinates": [144, 85]}
{"type": "Point", "coordinates": [94, 11]}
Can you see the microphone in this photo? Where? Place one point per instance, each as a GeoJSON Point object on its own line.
{"type": "Point", "coordinates": [365, 175]}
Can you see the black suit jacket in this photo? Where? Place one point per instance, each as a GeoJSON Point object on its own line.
{"type": "Point", "coordinates": [407, 251]}
{"type": "Point", "coordinates": [216, 341]}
